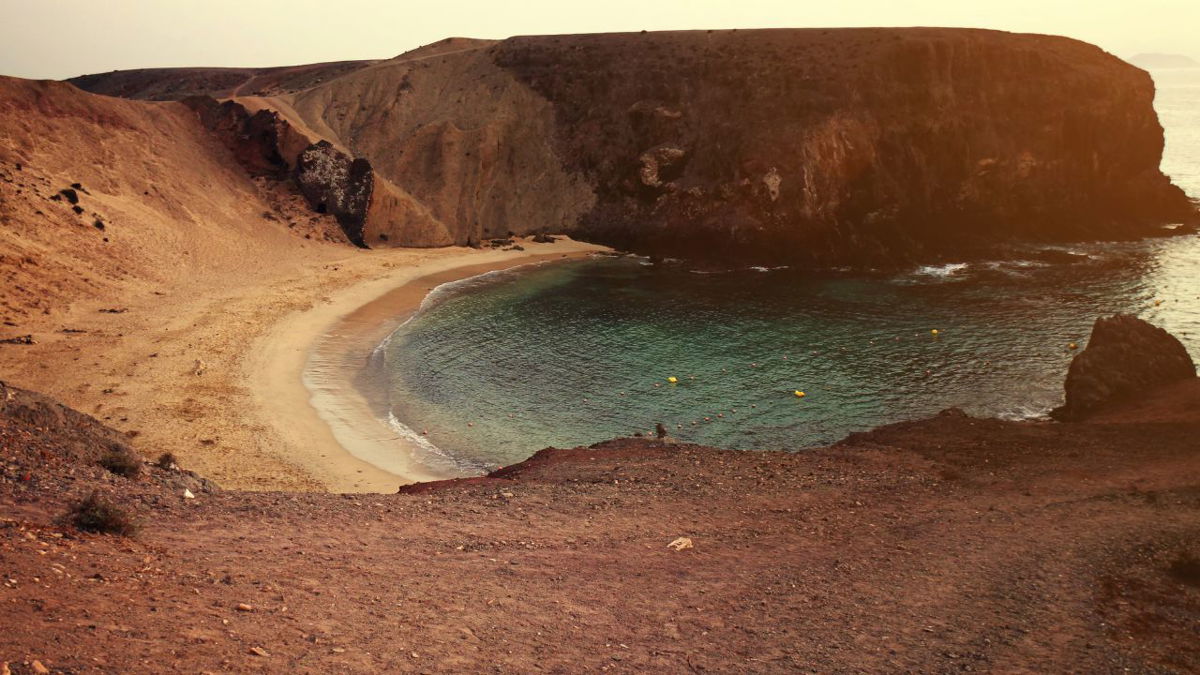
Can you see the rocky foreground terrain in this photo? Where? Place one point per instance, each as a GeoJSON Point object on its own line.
{"type": "Point", "coordinates": [848, 146]}
{"type": "Point", "coordinates": [947, 544]}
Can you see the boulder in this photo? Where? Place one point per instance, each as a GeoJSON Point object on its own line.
{"type": "Point", "coordinates": [1125, 357]}
{"type": "Point", "coordinates": [336, 183]}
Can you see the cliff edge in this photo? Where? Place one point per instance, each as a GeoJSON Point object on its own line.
{"type": "Point", "coordinates": [846, 146]}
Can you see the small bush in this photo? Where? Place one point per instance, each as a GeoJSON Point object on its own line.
{"type": "Point", "coordinates": [167, 461]}
{"type": "Point", "coordinates": [122, 462]}
{"type": "Point", "coordinates": [97, 514]}
{"type": "Point", "coordinates": [1186, 568]}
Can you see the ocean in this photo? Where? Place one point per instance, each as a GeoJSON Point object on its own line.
{"type": "Point", "coordinates": [494, 368]}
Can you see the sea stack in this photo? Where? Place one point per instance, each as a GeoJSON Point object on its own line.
{"type": "Point", "coordinates": [1125, 357]}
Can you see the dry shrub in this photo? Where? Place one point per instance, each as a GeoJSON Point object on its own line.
{"type": "Point", "coordinates": [97, 514]}
{"type": "Point", "coordinates": [122, 461]}
{"type": "Point", "coordinates": [1186, 569]}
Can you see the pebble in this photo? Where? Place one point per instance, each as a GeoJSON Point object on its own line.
{"type": "Point", "coordinates": [243, 607]}
{"type": "Point", "coordinates": [680, 544]}
{"type": "Point", "coordinates": [259, 651]}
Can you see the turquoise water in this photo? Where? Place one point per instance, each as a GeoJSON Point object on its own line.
{"type": "Point", "coordinates": [497, 367]}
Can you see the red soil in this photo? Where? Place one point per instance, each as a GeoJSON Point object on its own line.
{"type": "Point", "coordinates": [946, 544]}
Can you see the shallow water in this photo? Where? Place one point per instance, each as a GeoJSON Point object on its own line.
{"type": "Point", "coordinates": [497, 367]}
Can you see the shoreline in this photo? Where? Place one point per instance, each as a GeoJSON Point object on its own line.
{"type": "Point", "coordinates": [306, 371]}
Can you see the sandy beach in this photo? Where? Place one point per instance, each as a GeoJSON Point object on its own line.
{"type": "Point", "coordinates": [305, 371]}
{"type": "Point", "coordinates": [208, 364]}
{"type": "Point", "coordinates": [184, 318]}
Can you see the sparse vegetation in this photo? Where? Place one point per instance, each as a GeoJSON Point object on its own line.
{"type": "Point", "coordinates": [97, 514]}
{"type": "Point", "coordinates": [122, 461]}
{"type": "Point", "coordinates": [167, 461]}
{"type": "Point", "coordinates": [1186, 569]}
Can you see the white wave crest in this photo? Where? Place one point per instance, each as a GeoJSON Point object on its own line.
{"type": "Point", "coordinates": [941, 271]}
{"type": "Point", "coordinates": [1024, 412]}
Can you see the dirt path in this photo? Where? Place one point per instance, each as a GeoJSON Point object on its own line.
{"type": "Point", "coordinates": [944, 545]}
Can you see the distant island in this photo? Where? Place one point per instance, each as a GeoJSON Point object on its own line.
{"type": "Point", "coordinates": [1155, 61]}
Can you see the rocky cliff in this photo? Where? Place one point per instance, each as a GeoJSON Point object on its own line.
{"type": "Point", "coordinates": [831, 146]}
{"type": "Point", "coordinates": [1126, 358]}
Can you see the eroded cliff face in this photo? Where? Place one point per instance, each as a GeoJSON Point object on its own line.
{"type": "Point", "coordinates": [469, 151]}
{"type": "Point", "coordinates": [859, 146]}
{"type": "Point", "coordinates": [850, 144]}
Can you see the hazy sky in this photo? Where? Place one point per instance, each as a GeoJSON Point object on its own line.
{"type": "Point", "coordinates": [63, 38]}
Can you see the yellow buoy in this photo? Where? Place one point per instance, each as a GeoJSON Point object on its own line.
{"type": "Point", "coordinates": [1072, 346]}
{"type": "Point", "coordinates": [672, 379]}
{"type": "Point", "coordinates": [933, 332]}
{"type": "Point", "coordinates": [799, 394]}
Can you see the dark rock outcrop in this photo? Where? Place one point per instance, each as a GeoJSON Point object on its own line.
{"type": "Point", "coordinates": [843, 146]}
{"type": "Point", "coordinates": [1125, 357]}
{"type": "Point", "coordinates": [853, 145]}
{"type": "Point", "coordinates": [252, 137]}
{"type": "Point", "coordinates": [267, 145]}
{"type": "Point", "coordinates": [335, 183]}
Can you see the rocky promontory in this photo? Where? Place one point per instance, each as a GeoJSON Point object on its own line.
{"type": "Point", "coordinates": [1125, 358]}
{"type": "Point", "coordinates": [832, 146]}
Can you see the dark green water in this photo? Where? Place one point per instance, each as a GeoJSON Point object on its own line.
{"type": "Point", "coordinates": [573, 353]}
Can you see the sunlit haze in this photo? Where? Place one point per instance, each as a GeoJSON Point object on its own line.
{"type": "Point", "coordinates": [59, 39]}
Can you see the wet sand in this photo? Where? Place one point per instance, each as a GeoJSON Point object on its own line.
{"type": "Point", "coordinates": [308, 372]}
